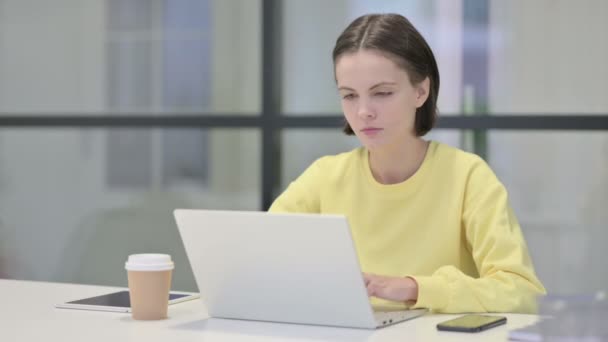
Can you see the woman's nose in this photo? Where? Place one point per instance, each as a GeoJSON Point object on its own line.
{"type": "Point", "coordinates": [365, 112]}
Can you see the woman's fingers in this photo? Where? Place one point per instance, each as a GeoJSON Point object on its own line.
{"type": "Point", "coordinates": [382, 287]}
{"type": "Point", "coordinates": [367, 277]}
{"type": "Point", "coordinates": [391, 288]}
{"type": "Point", "coordinates": [373, 284]}
{"type": "Point", "coordinates": [371, 287]}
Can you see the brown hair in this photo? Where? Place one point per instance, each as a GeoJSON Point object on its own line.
{"type": "Point", "coordinates": [395, 36]}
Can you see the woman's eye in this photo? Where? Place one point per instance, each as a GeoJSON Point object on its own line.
{"type": "Point", "coordinates": [384, 93]}
{"type": "Point", "coordinates": [348, 96]}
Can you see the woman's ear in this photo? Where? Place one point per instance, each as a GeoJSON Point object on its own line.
{"type": "Point", "coordinates": [422, 92]}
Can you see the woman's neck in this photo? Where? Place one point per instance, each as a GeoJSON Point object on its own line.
{"type": "Point", "coordinates": [397, 163]}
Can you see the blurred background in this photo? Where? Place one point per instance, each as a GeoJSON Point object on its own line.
{"type": "Point", "coordinates": [115, 112]}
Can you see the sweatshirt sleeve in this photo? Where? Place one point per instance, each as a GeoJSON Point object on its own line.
{"type": "Point", "coordinates": [303, 194]}
{"type": "Point", "coordinates": [507, 281]}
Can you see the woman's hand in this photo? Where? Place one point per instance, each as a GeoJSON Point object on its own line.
{"type": "Point", "coordinates": [391, 288]}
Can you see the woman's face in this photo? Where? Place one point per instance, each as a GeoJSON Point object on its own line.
{"type": "Point", "coordinates": [378, 99]}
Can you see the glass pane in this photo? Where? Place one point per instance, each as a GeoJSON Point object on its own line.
{"type": "Point", "coordinates": [300, 147]}
{"type": "Point", "coordinates": [558, 186]}
{"type": "Point", "coordinates": [548, 57]}
{"type": "Point", "coordinates": [308, 80]}
{"type": "Point", "coordinates": [74, 203]}
{"type": "Point", "coordinates": [130, 56]}
{"type": "Point", "coordinates": [488, 54]}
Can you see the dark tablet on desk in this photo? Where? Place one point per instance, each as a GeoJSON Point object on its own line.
{"type": "Point", "coordinates": [118, 301]}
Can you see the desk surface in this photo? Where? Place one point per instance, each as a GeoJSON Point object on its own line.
{"type": "Point", "coordinates": [27, 313]}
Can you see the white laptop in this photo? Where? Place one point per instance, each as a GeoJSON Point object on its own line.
{"type": "Point", "coordinates": [292, 268]}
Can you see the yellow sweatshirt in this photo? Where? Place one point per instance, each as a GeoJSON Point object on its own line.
{"type": "Point", "coordinates": [449, 226]}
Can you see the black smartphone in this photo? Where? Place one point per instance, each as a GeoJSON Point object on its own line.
{"type": "Point", "coordinates": [472, 323]}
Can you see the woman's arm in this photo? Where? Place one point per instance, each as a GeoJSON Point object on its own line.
{"type": "Point", "coordinates": [303, 194]}
{"type": "Point", "coordinates": [507, 281]}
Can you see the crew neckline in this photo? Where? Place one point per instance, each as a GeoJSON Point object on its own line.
{"type": "Point", "coordinates": [407, 185]}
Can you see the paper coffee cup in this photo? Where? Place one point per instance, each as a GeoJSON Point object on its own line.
{"type": "Point", "coordinates": [149, 278]}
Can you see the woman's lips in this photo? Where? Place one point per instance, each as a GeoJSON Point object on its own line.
{"type": "Point", "coordinates": [370, 131]}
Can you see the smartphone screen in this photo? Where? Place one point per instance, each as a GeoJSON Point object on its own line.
{"type": "Point", "coordinates": [472, 323]}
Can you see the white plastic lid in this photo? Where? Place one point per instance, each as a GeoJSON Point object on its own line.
{"type": "Point", "coordinates": [149, 262]}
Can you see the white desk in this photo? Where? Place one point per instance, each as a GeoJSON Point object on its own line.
{"type": "Point", "coordinates": [27, 313]}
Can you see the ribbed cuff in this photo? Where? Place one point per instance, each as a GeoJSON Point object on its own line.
{"type": "Point", "coordinates": [432, 293]}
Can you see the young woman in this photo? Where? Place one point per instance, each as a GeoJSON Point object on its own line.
{"type": "Point", "coordinates": [432, 224]}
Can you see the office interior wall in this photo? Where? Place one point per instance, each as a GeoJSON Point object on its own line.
{"type": "Point", "coordinates": [60, 211]}
{"type": "Point", "coordinates": [51, 62]}
{"type": "Point", "coordinates": [236, 80]}
{"type": "Point", "coordinates": [558, 186]}
{"type": "Point", "coordinates": [545, 57]}
{"type": "Point", "coordinates": [548, 57]}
